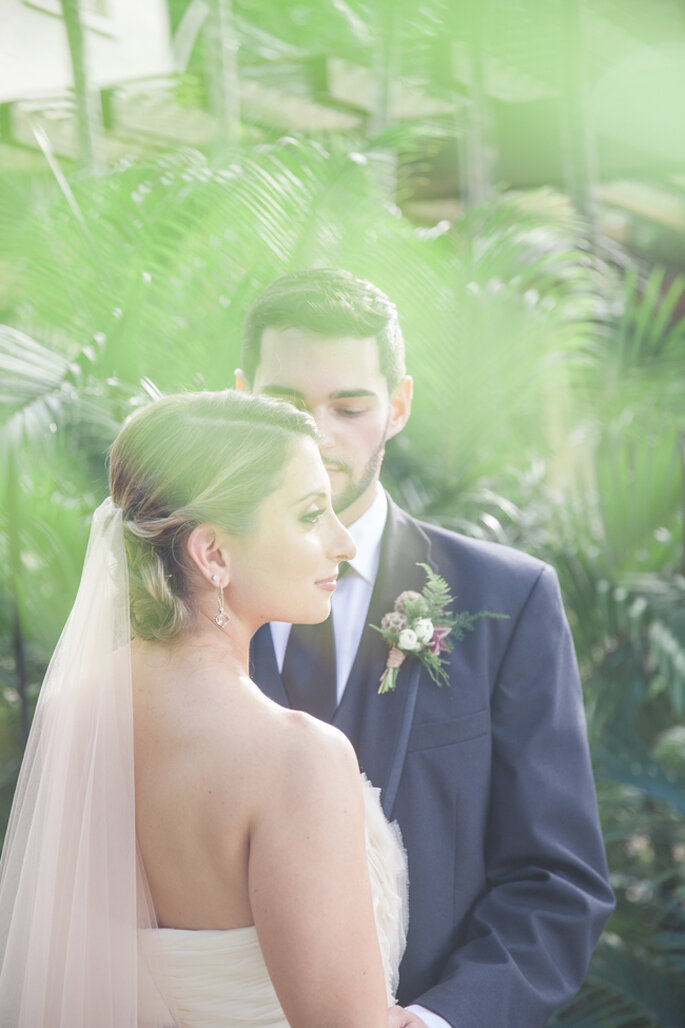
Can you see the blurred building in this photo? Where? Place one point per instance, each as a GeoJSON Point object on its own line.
{"type": "Point", "coordinates": [583, 96]}
{"type": "Point", "coordinates": [126, 39]}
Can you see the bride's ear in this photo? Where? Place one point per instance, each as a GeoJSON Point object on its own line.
{"type": "Point", "coordinates": [209, 553]}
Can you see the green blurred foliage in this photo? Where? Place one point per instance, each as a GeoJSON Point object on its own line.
{"type": "Point", "coordinates": [554, 378]}
{"type": "Point", "coordinates": [548, 368]}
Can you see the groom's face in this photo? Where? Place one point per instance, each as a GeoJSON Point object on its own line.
{"type": "Point", "coordinates": [339, 381]}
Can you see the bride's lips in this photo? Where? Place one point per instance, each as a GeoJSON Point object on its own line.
{"type": "Point", "coordinates": [328, 583]}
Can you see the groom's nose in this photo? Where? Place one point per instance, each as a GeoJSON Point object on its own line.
{"type": "Point", "coordinates": [323, 423]}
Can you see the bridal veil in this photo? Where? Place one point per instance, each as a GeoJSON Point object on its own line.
{"type": "Point", "coordinates": [72, 891]}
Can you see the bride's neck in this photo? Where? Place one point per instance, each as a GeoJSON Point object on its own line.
{"type": "Point", "coordinates": [205, 643]}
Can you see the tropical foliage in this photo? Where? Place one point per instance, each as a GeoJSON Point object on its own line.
{"type": "Point", "coordinates": [555, 381]}
{"type": "Point", "coordinates": [551, 364]}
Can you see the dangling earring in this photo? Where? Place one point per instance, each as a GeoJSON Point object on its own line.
{"type": "Point", "coordinates": [221, 619]}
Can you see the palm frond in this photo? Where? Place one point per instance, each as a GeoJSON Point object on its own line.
{"type": "Point", "coordinates": [641, 771]}
{"type": "Point", "coordinates": [626, 989]}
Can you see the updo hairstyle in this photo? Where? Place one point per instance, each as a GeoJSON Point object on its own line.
{"type": "Point", "coordinates": [187, 460]}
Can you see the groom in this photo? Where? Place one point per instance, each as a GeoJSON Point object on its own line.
{"type": "Point", "coordinates": [489, 779]}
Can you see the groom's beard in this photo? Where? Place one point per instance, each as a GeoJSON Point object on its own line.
{"type": "Point", "coordinates": [355, 487]}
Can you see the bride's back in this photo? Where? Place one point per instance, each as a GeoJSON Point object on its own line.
{"type": "Point", "coordinates": [192, 810]}
{"type": "Point", "coordinates": [211, 754]}
{"type": "Point", "coordinates": [251, 814]}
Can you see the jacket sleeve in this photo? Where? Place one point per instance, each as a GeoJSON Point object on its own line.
{"type": "Point", "coordinates": [531, 934]}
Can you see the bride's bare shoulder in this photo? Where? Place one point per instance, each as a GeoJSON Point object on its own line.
{"type": "Point", "coordinates": [213, 726]}
{"type": "Point", "coordinates": [308, 762]}
{"type": "Point", "coordinates": [310, 743]}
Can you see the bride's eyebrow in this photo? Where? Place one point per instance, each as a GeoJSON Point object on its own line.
{"type": "Point", "coordinates": [316, 495]}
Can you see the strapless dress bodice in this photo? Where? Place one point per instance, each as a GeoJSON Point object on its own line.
{"type": "Point", "coordinates": [218, 979]}
{"type": "Point", "coordinates": [207, 979]}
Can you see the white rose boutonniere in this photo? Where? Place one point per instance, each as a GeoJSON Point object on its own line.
{"type": "Point", "coordinates": [408, 640]}
{"type": "Point", "coordinates": [419, 626]}
{"type": "Point", "coordinates": [424, 630]}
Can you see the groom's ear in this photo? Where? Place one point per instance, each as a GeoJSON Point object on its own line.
{"type": "Point", "coordinates": [400, 406]}
{"type": "Point", "coordinates": [242, 382]}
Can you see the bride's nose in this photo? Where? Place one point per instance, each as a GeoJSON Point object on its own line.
{"type": "Point", "coordinates": [343, 545]}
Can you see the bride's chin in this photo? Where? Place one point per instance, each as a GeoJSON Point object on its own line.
{"type": "Point", "coordinates": [320, 615]}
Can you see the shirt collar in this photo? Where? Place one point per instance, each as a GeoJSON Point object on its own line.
{"type": "Point", "coordinates": [367, 532]}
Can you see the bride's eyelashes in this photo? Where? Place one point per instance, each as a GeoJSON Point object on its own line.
{"type": "Point", "coordinates": [312, 517]}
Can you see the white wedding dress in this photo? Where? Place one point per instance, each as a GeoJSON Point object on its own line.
{"type": "Point", "coordinates": [218, 979]}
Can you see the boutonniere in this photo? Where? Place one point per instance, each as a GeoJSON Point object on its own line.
{"type": "Point", "coordinates": [422, 626]}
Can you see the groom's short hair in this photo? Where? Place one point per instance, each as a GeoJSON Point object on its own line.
{"type": "Point", "coordinates": [332, 303]}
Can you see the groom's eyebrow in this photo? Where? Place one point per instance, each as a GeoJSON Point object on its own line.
{"type": "Point", "coordinates": [345, 394]}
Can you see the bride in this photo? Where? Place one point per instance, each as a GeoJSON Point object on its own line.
{"type": "Point", "coordinates": [181, 850]}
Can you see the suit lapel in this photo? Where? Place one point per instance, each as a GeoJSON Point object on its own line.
{"type": "Point", "coordinates": [378, 726]}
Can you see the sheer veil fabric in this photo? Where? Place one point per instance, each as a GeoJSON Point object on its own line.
{"type": "Point", "coordinates": [72, 890]}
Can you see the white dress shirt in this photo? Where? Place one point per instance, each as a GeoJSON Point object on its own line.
{"type": "Point", "coordinates": [349, 607]}
{"type": "Point", "coordinates": [430, 1019]}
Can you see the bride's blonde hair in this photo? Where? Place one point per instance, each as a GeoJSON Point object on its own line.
{"type": "Point", "coordinates": [186, 460]}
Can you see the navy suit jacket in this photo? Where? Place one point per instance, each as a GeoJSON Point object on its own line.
{"type": "Point", "coordinates": [489, 779]}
